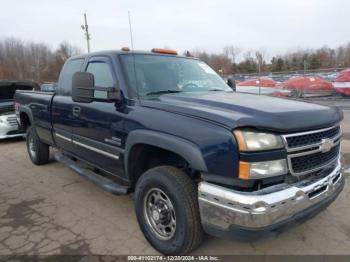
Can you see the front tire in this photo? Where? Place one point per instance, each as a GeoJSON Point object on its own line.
{"type": "Point", "coordinates": [167, 211]}
{"type": "Point", "coordinates": [38, 151]}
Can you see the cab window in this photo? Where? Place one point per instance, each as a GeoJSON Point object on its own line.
{"type": "Point", "coordinates": [102, 74]}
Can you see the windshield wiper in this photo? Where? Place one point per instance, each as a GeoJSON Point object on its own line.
{"type": "Point", "coordinates": [163, 92]}
{"type": "Point", "coordinates": [216, 89]}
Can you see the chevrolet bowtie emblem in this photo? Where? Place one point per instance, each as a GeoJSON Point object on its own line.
{"type": "Point", "coordinates": [326, 145]}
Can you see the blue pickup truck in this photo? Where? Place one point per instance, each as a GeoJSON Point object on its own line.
{"type": "Point", "coordinates": [197, 156]}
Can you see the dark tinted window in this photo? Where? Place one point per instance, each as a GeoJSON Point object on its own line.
{"type": "Point", "coordinates": [65, 80]}
{"type": "Point", "coordinates": [102, 74]}
{"type": "Point", "coordinates": [7, 91]}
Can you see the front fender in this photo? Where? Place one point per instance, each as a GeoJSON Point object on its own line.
{"type": "Point", "coordinates": [184, 148]}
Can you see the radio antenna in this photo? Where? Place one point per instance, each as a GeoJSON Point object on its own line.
{"type": "Point", "coordinates": [133, 55]}
{"type": "Point", "coordinates": [131, 37]}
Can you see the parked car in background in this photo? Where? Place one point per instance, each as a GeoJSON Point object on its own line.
{"type": "Point", "coordinates": [8, 122]}
{"type": "Point", "coordinates": [279, 77]}
{"type": "Point", "coordinates": [330, 77]}
{"type": "Point", "coordinates": [342, 83]}
{"type": "Point", "coordinates": [263, 86]}
{"type": "Point", "coordinates": [48, 87]}
{"type": "Point", "coordinates": [306, 86]}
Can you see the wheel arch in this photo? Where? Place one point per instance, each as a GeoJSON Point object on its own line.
{"type": "Point", "coordinates": [179, 147]}
{"type": "Point", "coordinates": [25, 117]}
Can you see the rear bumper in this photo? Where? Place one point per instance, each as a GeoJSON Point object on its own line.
{"type": "Point", "coordinates": [250, 216]}
{"type": "Point", "coordinates": [9, 127]}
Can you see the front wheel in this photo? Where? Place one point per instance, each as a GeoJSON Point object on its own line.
{"type": "Point", "coordinates": [37, 150]}
{"type": "Point", "coordinates": [166, 206]}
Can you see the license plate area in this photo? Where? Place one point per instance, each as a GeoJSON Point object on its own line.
{"type": "Point", "coordinates": [318, 192]}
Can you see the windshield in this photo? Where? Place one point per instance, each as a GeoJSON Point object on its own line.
{"type": "Point", "coordinates": [156, 74]}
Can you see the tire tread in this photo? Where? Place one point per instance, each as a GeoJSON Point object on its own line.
{"type": "Point", "coordinates": [42, 150]}
{"type": "Point", "coordinates": [186, 190]}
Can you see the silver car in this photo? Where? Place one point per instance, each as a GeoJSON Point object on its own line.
{"type": "Point", "coordinates": [8, 122]}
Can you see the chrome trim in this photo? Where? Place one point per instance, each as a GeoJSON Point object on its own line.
{"type": "Point", "coordinates": [12, 120]}
{"type": "Point", "coordinates": [310, 170]}
{"type": "Point", "coordinates": [96, 150]}
{"type": "Point", "coordinates": [310, 132]}
{"type": "Point", "coordinates": [290, 166]}
{"type": "Point", "coordinates": [313, 151]}
{"type": "Point", "coordinates": [294, 149]}
{"type": "Point", "coordinates": [7, 127]}
{"type": "Point", "coordinates": [284, 138]}
{"type": "Point", "coordinates": [335, 140]}
{"type": "Point", "coordinates": [87, 147]}
{"type": "Point", "coordinates": [12, 136]}
{"type": "Point", "coordinates": [63, 137]}
{"type": "Point", "coordinates": [223, 207]}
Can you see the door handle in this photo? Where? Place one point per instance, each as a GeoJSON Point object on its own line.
{"type": "Point", "coordinates": [76, 111]}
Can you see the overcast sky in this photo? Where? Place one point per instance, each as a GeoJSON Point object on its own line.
{"type": "Point", "coordinates": [277, 26]}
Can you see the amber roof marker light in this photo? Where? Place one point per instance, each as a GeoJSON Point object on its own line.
{"type": "Point", "coordinates": [125, 49]}
{"type": "Point", "coordinates": [164, 51]}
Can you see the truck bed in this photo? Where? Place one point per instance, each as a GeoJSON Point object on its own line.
{"type": "Point", "coordinates": [38, 105]}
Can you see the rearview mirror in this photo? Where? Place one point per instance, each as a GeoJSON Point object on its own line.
{"type": "Point", "coordinates": [85, 91]}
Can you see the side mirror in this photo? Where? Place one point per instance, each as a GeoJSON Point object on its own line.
{"type": "Point", "coordinates": [231, 83]}
{"type": "Point", "coordinates": [83, 87]}
{"type": "Point", "coordinates": [85, 91]}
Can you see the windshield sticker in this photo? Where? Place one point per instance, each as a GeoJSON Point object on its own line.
{"type": "Point", "coordinates": [206, 68]}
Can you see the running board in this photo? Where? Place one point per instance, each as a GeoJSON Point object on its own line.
{"type": "Point", "coordinates": [97, 179]}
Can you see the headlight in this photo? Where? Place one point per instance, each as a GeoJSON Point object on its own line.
{"type": "Point", "coordinates": [258, 170]}
{"type": "Point", "coordinates": [257, 141]}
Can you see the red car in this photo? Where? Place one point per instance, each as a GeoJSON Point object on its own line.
{"type": "Point", "coordinates": [342, 82]}
{"type": "Point", "coordinates": [308, 86]}
{"type": "Point", "coordinates": [262, 86]}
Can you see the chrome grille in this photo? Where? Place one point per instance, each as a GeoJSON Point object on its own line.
{"type": "Point", "coordinates": [312, 138]}
{"type": "Point", "coordinates": [310, 151]}
{"type": "Point", "coordinates": [315, 160]}
{"type": "Point", "coordinates": [12, 120]}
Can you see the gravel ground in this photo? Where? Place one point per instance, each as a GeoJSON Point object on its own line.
{"type": "Point", "coordinates": [51, 210]}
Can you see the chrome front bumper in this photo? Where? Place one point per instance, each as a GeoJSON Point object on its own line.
{"type": "Point", "coordinates": [222, 209]}
{"type": "Point", "coordinates": [9, 127]}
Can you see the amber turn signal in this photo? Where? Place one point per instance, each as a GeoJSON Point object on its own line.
{"type": "Point", "coordinates": [244, 170]}
{"type": "Point", "coordinates": [240, 140]}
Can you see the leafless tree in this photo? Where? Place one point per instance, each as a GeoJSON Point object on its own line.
{"type": "Point", "coordinates": [232, 52]}
{"type": "Point", "coordinates": [66, 50]}
{"type": "Point", "coordinates": [260, 58]}
{"type": "Point", "coordinates": [32, 61]}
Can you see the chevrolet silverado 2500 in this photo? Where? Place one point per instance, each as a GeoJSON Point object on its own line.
{"type": "Point", "coordinates": [197, 156]}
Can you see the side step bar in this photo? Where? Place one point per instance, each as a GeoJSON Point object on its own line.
{"type": "Point", "coordinates": [97, 179]}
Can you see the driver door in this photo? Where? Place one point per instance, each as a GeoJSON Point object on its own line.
{"type": "Point", "coordinates": [98, 126]}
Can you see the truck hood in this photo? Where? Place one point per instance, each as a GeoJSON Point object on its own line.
{"type": "Point", "coordinates": [246, 110]}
